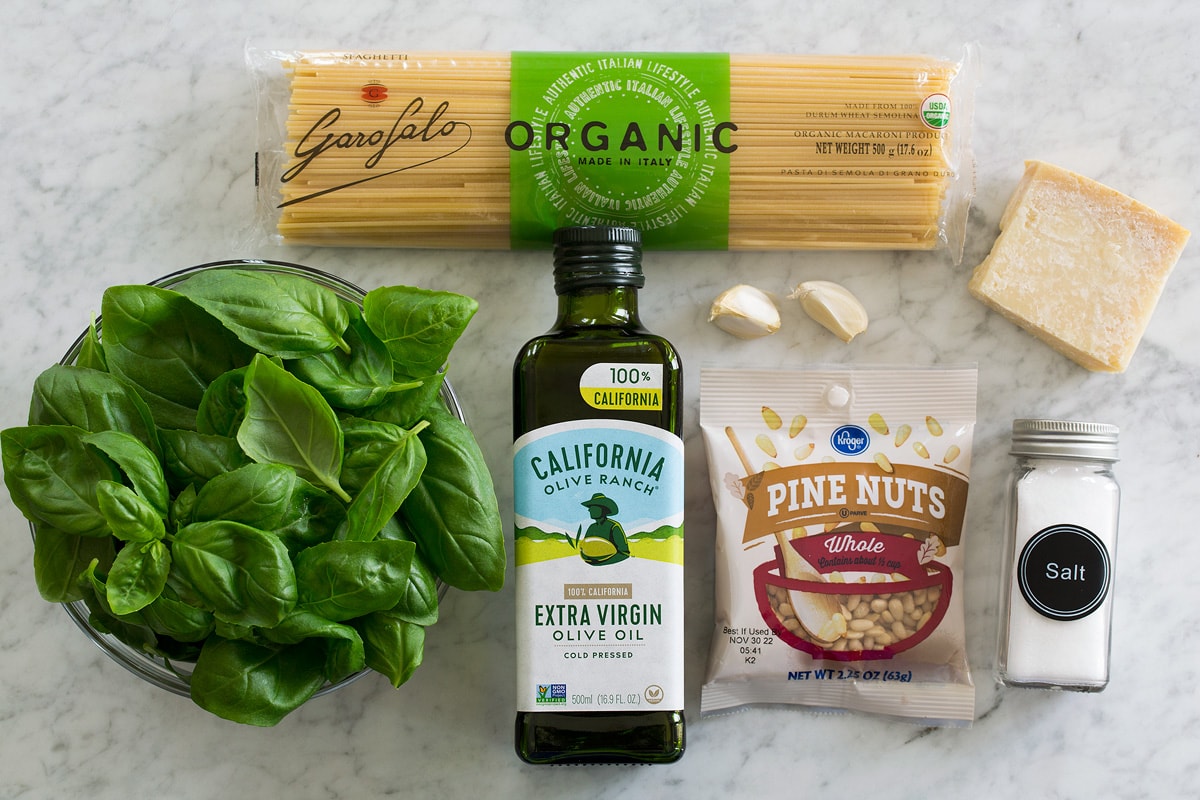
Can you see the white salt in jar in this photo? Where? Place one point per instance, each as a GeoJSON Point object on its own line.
{"type": "Point", "coordinates": [1056, 605]}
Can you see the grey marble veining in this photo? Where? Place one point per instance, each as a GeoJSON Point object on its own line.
{"type": "Point", "coordinates": [125, 153]}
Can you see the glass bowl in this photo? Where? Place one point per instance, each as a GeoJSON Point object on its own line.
{"type": "Point", "coordinates": [174, 676]}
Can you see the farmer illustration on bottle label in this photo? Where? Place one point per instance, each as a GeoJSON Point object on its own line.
{"type": "Point", "coordinates": [604, 542]}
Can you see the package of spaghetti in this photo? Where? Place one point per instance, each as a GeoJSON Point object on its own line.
{"type": "Point", "coordinates": [698, 150]}
{"type": "Point", "coordinates": [840, 496]}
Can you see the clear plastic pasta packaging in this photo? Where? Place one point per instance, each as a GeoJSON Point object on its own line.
{"type": "Point", "coordinates": [840, 496]}
{"type": "Point", "coordinates": [697, 150]}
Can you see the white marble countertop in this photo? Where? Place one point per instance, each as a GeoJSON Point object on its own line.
{"type": "Point", "coordinates": [126, 153]}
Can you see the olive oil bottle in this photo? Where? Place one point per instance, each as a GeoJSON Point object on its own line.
{"type": "Point", "coordinates": [598, 501]}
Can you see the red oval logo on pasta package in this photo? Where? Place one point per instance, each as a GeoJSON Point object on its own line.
{"type": "Point", "coordinates": [374, 93]}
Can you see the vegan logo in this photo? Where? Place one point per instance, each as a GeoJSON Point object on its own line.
{"type": "Point", "coordinates": [604, 542]}
{"type": "Point", "coordinates": [850, 440]}
{"type": "Point", "coordinates": [374, 93]}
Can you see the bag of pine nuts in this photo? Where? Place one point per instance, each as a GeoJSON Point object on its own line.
{"type": "Point", "coordinates": [840, 495]}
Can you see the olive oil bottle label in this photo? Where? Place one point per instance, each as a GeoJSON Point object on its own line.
{"type": "Point", "coordinates": [599, 567]}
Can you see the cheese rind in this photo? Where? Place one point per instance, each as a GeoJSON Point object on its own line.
{"type": "Point", "coordinates": [1079, 265]}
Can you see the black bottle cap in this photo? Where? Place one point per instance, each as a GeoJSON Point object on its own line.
{"type": "Point", "coordinates": [597, 255]}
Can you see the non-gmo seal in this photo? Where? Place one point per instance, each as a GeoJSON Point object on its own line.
{"type": "Point", "coordinates": [850, 440]}
{"type": "Point", "coordinates": [1064, 572]}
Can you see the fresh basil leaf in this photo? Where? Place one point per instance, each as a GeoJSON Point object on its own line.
{"type": "Point", "coordinates": [241, 633]}
{"type": "Point", "coordinates": [223, 405]}
{"type": "Point", "coordinates": [313, 517]}
{"type": "Point", "coordinates": [419, 326]}
{"type": "Point", "coordinates": [281, 315]}
{"type": "Point", "coordinates": [60, 558]}
{"type": "Point", "coordinates": [91, 352]}
{"type": "Point", "coordinates": [353, 380]}
{"type": "Point", "coordinates": [453, 512]}
{"type": "Point", "coordinates": [344, 657]}
{"type": "Point", "coordinates": [407, 408]}
{"type": "Point", "coordinates": [92, 400]}
{"type": "Point", "coordinates": [139, 464]}
{"type": "Point", "coordinates": [342, 580]}
{"type": "Point", "coordinates": [243, 575]}
{"type": "Point", "coordinates": [258, 495]}
{"type": "Point", "coordinates": [256, 685]}
{"type": "Point", "coordinates": [131, 629]}
{"type": "Point", "coordinates": [52, 477]}
{"type": "Point", "coordinates": [168, 348]}
{"type": "Point", "coordinates": [394, 647]}
{"type": "Point", "coordinates": [419, 604]}
{"type": "Point", "coordinates": [344, 646]}
{"type": "Point", "coordinates": [170, 616]}
{"type": "Point", "coordinates": [196, 458]}
{"type": "Point", "coordinates": [288, 422]}
{"type": "Point", "coordinates": [181, 507]}
{"type": "Point", "coordinates": [129, 517]}
{"type": "Point", "coordinates": [138, 576]}
{"type": "Point", "coordinates": [382, 465]}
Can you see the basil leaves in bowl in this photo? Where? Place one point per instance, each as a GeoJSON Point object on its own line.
{"type": "Point", "coordinates": [249, 482]}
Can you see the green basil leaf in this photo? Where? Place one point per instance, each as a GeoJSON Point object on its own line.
{"type": "Point", "coordinates": [344, 646]}
{"type": "Point", "coordinates": [419, 326]}
{"type": "Point", "coordinates": [419, 604]}
{"type": "Point", "coordinates": [170, 616]}
{"type": "Point", "coordinates": [60, 558]}
{"type": "Point", "coordinates": [313, 517]}
{"type": "Point", "coordinates": [181, 507]}
{"type": "Point", "coordinates": [342, 580]}
{"type": "Point", "coordinates": [168, 348]}
{"type": "Point", "coordinates": [92, 400]}
{"type": "Point", "coordinates": [141, 466]}
{"type": "Point", "coordinates": [453, 512]}
{"type": "Point", "coordinates": [241, 633]}
{"type": "Point", "coordinates": [344, 657]}
{"type": "Point", "coordinates": [382, 465]}
{"type": "Point", "coordinates": [281, 315]}
{"type": "Point", "coordinates": [196, 458]}
{"type": "Point", "coordinates": [394, 647]}
{"type": "Point", "coordinates": [52, 477]}
{"type": "Point", "coordinates": [360, 378]}
{"type": "Point", "coordinates": [288, 422]}
{"type": "Point", "coordinates": [91, 352]}
{"type": "Point", "coordinates": [256, 685]}
{"type": "Point", "coordinates": [130, 518]}
{"type": "Point", "coordinates": [130, 629]}
{"type": "Point", "coordinates": [138, 576]}
{"type": "Point", "coordinates": [241, 574]}
{"type": "Point", "coordinates": [406, 409]}
{"type": "Point", "coordinates": [258, 495]}
{"type": "Point", "coordinates": [223, 405]}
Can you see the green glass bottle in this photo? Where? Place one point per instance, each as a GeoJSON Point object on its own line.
{"type": "Point", "coordinates": [598, 500]}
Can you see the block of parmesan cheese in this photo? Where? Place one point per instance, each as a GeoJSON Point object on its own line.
{"type": "Point", "coordinates": [1079, 265]}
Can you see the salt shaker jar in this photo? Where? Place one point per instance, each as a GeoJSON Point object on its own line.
{"type": "Point", "coordinates": [1061, 538]}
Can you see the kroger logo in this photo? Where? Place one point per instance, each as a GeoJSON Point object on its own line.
{"type": "Point", "coordinates": [850, 440]}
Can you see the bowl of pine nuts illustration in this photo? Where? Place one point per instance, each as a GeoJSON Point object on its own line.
{"type": "Point", "coordinates": [847, 608]}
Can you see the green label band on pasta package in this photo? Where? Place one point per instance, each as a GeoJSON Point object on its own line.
{"type": "Point", "coordinates": [698, 151]}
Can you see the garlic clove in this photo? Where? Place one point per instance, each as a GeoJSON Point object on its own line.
{"type": "Point", "coordinates": [833, 306]}
{"type": "Point", "coordinates": [745, 311]}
